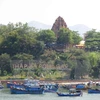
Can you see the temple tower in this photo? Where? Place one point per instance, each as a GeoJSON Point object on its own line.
{"type": "Point", "coordinates": [59, 23]}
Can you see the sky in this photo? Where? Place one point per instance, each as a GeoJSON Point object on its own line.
{"type": "Point", "coordinates": [46, 11]}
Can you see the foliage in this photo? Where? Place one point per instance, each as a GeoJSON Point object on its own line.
{"type": "Point", "coordinates": [21, 42]}
{"type": "Point", "coordinates": [76, 37]}
{"type": "Point", "coordinates": [5, 64]}
{"type": "Point", "coordinates": [81, 64]}
{"type": "Point", "coordinates": [64, 36]}
{"type": "Point", "coordinates": [47, 36]}
{"type": "Point", "coordinates": [92, 39]}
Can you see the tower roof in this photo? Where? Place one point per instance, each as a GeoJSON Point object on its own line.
{"type": "Point", "coordinates": [59, 23]}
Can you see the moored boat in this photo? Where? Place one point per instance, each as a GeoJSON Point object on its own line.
{"type": "Point", "coordinates": [93, 91]}
{"type": "Point", "coordinates": [71, 93]}
{"type": "Point", "coordinates": [26, 90]}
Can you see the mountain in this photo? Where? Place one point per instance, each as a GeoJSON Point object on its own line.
{"type": "Point", "coordinates": [39, 25]}
{"type": "Point", "coordinates": [81, 28]}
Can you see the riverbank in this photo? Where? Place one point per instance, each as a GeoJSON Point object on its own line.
{"type": "Point", "coordinates": [56, 81]}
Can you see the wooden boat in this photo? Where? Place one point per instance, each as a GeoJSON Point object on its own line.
{"type": "Point", "coordinates": [71, 93]}
{"type": "Point", "coordinates": [93, 91]}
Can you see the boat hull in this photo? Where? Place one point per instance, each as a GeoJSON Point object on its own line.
{"type": "Point", "coordinates": [26, 90]}
{"type": "Point", "coordinates": [93, 91]}
{"type": "Point", "coordinates": [69, 95]}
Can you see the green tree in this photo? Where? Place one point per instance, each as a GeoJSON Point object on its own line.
{"type": "Point", "coordinates": [76, 37]}
{"type": "Point", "coordinates": [47, 36]}
{"type": "Point", "coordinates": [90, 34]}
{"type": "Point", "coordinates": [22, 39]}
{"type": "Point", "coordinates": [94, 61]}
{"type": "Point", "coordinates": [92, 40]}
{"type": "Point", "coordinates": [5, 64]}
{"type": "Point", "coordinates": [65, 36]}
{"type": "Point", "coordinates": [80, 61]}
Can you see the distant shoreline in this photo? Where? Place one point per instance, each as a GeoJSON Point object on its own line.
{"type": "Point", "coordinates": [56, 81]}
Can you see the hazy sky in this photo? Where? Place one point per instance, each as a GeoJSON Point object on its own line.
{"type": "Point", "coordinates": [46, 11]}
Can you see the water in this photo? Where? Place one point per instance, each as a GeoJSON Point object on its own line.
{"type": "Point", "coordinates": [5, 95]}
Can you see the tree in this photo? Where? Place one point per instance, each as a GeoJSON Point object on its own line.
{"type": "Point", "coordinates": [21, 39]}
{"type": "Point", "coordinates": [90, 34]}
{"type": "Point", "coordinates": [81, 64]}
{"type": "Point", "coordinates": [92, 40]}
{"type": "Point", "coordinates": [47, 36]}
{"type": "Point", "coordinates": [5, 64]}
{"type": "Point", "coordinates": [38, 49]}
{"type": "Point", "coordinates": [94, 58]}
{"type": "Point", "coordinates": [76, 37]}
{"type": "Point", "coordinates": [65, 36]}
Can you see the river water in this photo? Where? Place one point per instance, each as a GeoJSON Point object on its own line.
{"type": "Point", "coordinates": [5, 95]}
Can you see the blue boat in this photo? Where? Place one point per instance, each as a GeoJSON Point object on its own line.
{"type": "Point", "coordinates": [26, 90]}
{"type": "Point", "coordinates": [32, 85]}
{"type": "Point", "coordinates": [80, 87]}
{"type": "Point", "coordinates": [93, 91]}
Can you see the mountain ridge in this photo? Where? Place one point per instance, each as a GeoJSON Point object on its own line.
{"type": "Point", "coordinates": [81, 28]}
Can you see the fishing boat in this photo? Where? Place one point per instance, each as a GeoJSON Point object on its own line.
{"type": "Point", "coordinates": [93, 91]}
{"type": "Point", "coordinates": [71, 93]}
{"type": "Point", "coordinates": [26, 90]}
{"type": "Point", "coordinates": [28, 84]}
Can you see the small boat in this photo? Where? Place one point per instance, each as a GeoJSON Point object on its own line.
{"type": "Point", "coordinates": [93, 91]}
{"type": "Point", "coordinates": [71, 93]}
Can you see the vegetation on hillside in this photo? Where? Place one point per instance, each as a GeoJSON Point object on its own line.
{"type": "Point", "coordinates": [51, 57]}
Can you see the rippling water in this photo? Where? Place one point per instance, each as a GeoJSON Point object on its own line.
{"type": "Point", "coordinates": [5, 95]}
